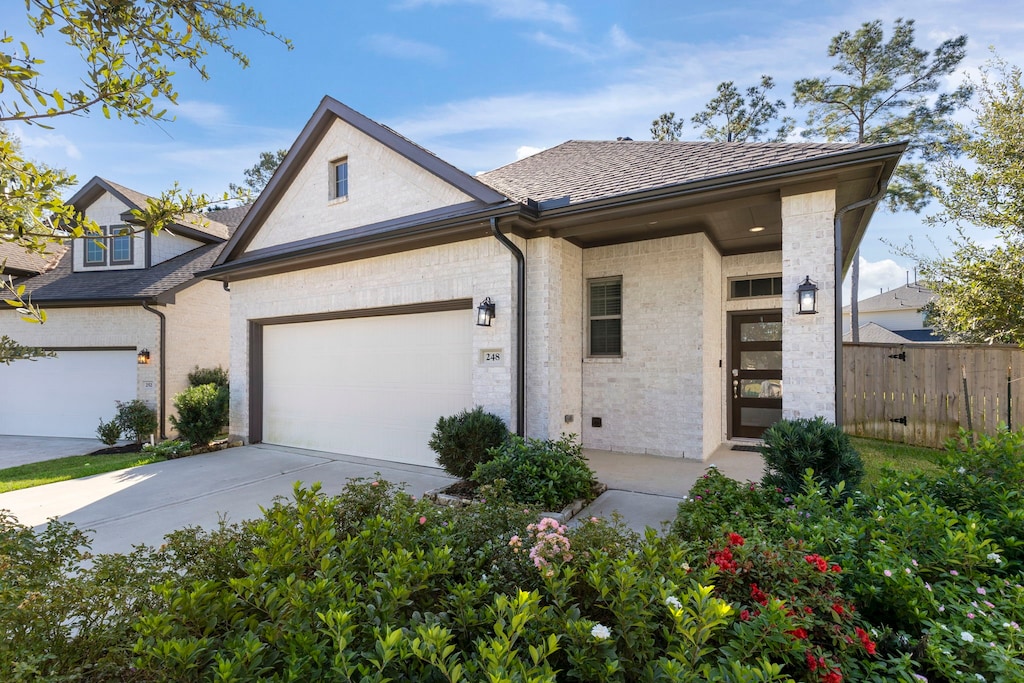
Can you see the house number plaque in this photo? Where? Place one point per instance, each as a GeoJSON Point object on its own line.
{"type": "Point", "coordinates": [492, 357]}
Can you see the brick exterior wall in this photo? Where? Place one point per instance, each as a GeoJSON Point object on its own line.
{"type": "Point", "coordinates": [472, 269]}
{"type": "Point", "coordinates": [650, 399]}
{"type": "Point", "coordinates": [554, 332]}
{"type": "Point", "coordinates": [198, 325]}
{"type": "Point", "coordinates": [808, 341]}
{"type": "Point", "coordinates": [382, 185]}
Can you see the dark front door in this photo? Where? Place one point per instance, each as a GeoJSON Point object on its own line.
{"type": "Point", "coordinates": [755, 372]}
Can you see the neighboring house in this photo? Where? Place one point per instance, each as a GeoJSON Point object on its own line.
{"type": "Point", "coordinates": [126, 315]}
{"type": "Point", "coordinates": [15, 262]}
{"type": "Point", "coordinates": [645, 293]}
{"type": "Point", "coordinates": [893, 317]}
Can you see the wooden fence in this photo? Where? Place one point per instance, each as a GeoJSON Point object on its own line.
{"type": "Point", "coordinates": [923, 393]}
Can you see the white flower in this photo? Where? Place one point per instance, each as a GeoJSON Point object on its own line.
{"type": "Point", "coordinates": [964, 636]}
{"type": "Point", "coordinates": [602, 632]}
{"type": "Point", "coordinates": [995, 558]}
{"type": "Point", "coordinates": [979, 677]}
{"type": "Point", "coordinates": [673, 602]}
{"type": "Point", "coordinates": [960, 470]}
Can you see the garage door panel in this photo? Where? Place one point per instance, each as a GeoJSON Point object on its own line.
{"type": "Point", "coordinates": [67, 395]}
{"type": "Point", "coordinates": [372, 387]}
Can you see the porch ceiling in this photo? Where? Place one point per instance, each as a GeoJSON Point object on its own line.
{"type": "Point", "coordinates": [726, 216]}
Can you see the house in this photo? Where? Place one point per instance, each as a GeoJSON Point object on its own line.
{"type": "Point", "coordinates": [642, 295]}
{"type": "Point", "coordinates": [893, 317]}
{"type": "Point", "coordinates": [126, 315]}
{"type": "Point", "coordinates": [15, 262]}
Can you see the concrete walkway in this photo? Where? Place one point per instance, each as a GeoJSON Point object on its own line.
{"type": "Point", "coordinates": [142, 504]}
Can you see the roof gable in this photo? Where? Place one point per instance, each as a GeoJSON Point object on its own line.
{"type": "Point", "coordinates": [189, 224]}
{"type": "Point", "coordinates": [330, 118]}
{"type": "Point", "coordinates": [912, 297]}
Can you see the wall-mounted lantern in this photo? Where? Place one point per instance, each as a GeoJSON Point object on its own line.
{"type": "Point", "coordinates": [807, 296]}
{"type": "Point", "coordinates": [485, 313]}
{"type": "Point", "coordinates": [143, 357]}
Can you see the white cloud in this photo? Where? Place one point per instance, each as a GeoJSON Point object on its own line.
{"type": "Point", "coordinates": [38, 144]}
{"type": "Point", "coordinates": [615, 46]}
{"type": "Point", "coordinates": [524, 151]}
{"type": "Point", "coordinates": [538, 11]}
{"type": "Point", "coordinates": [205, 114]}
{"type": "Point", "coordinates": [621, 41]}
{"type": "Point", "coordinates": [877, 277]}
{"type": "Point", "coordinates": [402, 48]}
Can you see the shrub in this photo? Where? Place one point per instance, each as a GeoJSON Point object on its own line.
{"type": "Point", "coordinates": [547, 473]}
{"type": "Point", "coordinates": [170, 449]}
{"type": "Point", "coordinates": [202, 412]}
{"type": "Point", "coordinates": [136, 420]}
{"type": "Point", "coordinates": [715, 502]}
{"type": "Point", "coordinates": [108, 432]}
{"type": "Point", "coordinates": [791, 447]}
{"type": "Point", "coordinates": [200, 376]}
{"type": "Point", "coordinates": [463, 441]}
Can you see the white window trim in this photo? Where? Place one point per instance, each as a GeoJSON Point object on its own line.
{"type": "Point", "coordinates": [332, 184]}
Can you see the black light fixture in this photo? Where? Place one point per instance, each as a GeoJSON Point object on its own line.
{"type": "Point", "coordinates": [144, 357]}
{"type": "Point", "coordinates": [485, 313]}
{"type": "Point", "coordinates": [807, 296]}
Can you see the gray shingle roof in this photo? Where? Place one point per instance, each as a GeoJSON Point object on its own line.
{"type": "Point", "coordinates": [231, 217]}
{"type": "Point", "coordinates": [203, 224]}
{"type": "Point", "coordinates": [61, 284]}
{"type": "Point", "coordinates": [913, 296]}
{"type": "Point", "coordinates": [587, 170]}
{"type": "Point", "coordinates": [21, 262]}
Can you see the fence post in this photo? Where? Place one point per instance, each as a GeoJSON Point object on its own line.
{"type": "Point", "coordinates": [967, 400]}
{"type": "Point", "coordinates": [1009, 398]}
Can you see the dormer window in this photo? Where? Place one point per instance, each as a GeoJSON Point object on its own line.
{"type": "Point", "coordinates": [339, 179]}
{"type": "Point", "coordinates": [95, 252]}
{"type": "Point", "coordinates": [120, 245]}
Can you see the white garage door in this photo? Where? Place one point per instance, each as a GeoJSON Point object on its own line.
{"type": "Point", "coordinates": [67, 395]}
{"type": "Point", "coordinates": [372, 387]}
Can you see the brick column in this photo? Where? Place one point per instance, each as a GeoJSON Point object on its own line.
{"type": "Point", "coordinates": [808, 341]}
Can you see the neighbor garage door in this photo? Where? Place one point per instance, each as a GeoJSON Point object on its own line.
{"type": "Point", "coordinates": [371, 387]}
{"type": "Point", "coordinates": [67, 395]}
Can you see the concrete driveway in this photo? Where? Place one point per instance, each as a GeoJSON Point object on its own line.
{"type": "Point", "coordinates": [21, 450]}
{"type": "Point", "coordinates": [142, 504]}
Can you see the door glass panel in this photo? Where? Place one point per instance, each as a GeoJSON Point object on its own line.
{"type": "Point", "coordinates": [760, 417]}
{"type": "Point", "coordinates": [754, 332]}
{"type": "Point", "coordinates": [757, 388]}
{"type": "Point", "coordinates": [760, 360]}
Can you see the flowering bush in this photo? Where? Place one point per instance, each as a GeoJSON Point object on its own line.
{"type": "Point", "coordinates": [717, 503]}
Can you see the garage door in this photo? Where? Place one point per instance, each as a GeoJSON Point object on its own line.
{"type": "Point", "coordinates": [67, 395]}
{"type": "Point", "coordinates": [372, 387]}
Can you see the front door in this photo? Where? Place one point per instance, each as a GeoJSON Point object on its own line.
{"type": "Point", "coordinates": [755, 377]}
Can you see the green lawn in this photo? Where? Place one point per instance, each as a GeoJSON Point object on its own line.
{"type": "Point", "coordinates": [72, 467]}
{"type": "Point", "coordinates": [900, 457]}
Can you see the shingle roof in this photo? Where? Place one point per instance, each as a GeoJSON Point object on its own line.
{"type": "Point", "coordinates": [203, 224]}
{"type": "Point", "coordinates": [873, 333]}
{"type": "Point", "coordinates": [230, 217]}
{"type": "Point", "coordinates": [914, 297]}
{"type": "Point", "coordinates": [21, 262]}
{"type": "Point", "coordinates": [587, 170]}
{"type": "Point", "coordinates": [61, 284]}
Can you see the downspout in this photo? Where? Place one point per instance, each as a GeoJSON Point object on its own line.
{"type": "Point", "coordinates": [838, 237]}
{"type": "Point", "coordinates": [163, 366]}
{"type": "Point", "coordinates": [520, 326]}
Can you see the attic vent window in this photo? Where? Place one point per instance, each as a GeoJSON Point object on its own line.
{"type": "Point", "coordinates": [339, 179]}
{"type": "Point", "coordinates": [751, 287]}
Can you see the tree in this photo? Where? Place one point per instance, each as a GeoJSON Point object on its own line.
{"type": "Point", "coordinates": [981, 289]}
{"type": "Point", "coordinates": [11, 351]}
{"type": "Point", "coordinates": [888, 91]}
{"type": "Point", "coordinates": [129, 52]}
{"type": "Point", "coordinates": [258, 175]}
{"type": "Point", "coordinates": [745, 119]}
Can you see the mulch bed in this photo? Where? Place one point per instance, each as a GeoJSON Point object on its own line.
{"type": "Point", "coordinates": [116, 450]}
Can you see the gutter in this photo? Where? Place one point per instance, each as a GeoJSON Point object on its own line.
{"type": "Point", "coordinates": [838, 239]}
{"type": "Point", "coordinates": [520, 326]}
{"type": "Point", "coordinates": [162, 410]}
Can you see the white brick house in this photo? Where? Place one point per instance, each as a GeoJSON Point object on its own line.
{"type": "Point", "coordinates": [645, 292]}
{"type": "Point", "coordinates": [126, 316]}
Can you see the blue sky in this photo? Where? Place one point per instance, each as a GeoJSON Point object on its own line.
{"type": "Point", "coordinates": [482, 82]}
